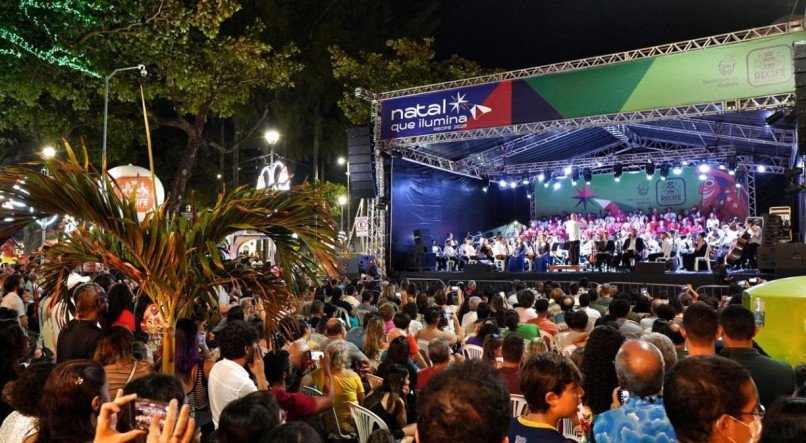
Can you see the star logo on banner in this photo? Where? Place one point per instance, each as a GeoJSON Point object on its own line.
{"type": "Point", "coordinates": [458, 102]}
{"type": "Point", "coordinates": [584, 196]}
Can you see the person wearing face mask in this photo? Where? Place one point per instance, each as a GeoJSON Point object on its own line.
{"type": "Point", "coordinates": [713, 400]}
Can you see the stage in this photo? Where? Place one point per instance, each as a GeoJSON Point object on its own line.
{"type": "Point", "coordinates": [704, 281]}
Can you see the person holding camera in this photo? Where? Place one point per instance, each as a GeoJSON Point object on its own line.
{"type": "Point", "coordinates": [637, 411]}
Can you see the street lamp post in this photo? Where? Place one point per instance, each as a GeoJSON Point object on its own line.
{"type": "Point", "coordinates": [143, 72]}
{"type": "Point", "coordinates": [272, 136]}
{"type": "Point", "coordinates": [342, 201]}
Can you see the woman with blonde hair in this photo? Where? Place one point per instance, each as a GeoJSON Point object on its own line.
{"type": "Point", "coordinates": [346, 384]}
{"type": "Point", "coordinates": [374, 342]}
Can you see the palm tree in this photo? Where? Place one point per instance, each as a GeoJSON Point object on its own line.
{"type": "Point", "coordinates": [174, 259]}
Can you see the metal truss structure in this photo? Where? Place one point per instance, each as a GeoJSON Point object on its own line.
{"type": "Point", "coordinates": [622, 118]}
{"type": "Point", "coordinates": [630, 149]}
{"type": "Point", "coordinates": [619, 57]}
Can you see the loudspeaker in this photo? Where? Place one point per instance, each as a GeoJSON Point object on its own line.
{"type": "Point", "coordinates": [648, 267]}
{"type": "Point", "coordinates": [361, 163]}
{"type": "Point", "coordinates": [790, 259]}
{"type": "Point", "coordinates": [418, 236]}
{"type": "Point", "coordinates": [766, 258]}
{"type": "Point", "coordinates": [421, 261]}
{"type": "Point", "coordinates": [800, 94]}
{"type": "Point", "coordinates": [477, 268]}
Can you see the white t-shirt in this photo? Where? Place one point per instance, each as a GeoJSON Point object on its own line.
{"type": "Point", "coordinates": [228, 381]}
{"type": "Point", "coordinates": [14, 302]}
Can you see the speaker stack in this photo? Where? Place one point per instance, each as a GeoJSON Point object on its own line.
{"type": "Point", "coordinates": [361, 163]}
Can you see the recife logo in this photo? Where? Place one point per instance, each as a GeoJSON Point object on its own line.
{"type": "Point", "coordinates": [437, 112]}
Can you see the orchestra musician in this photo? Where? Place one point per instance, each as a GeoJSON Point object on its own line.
{"type": "Point", "coordinates": [516, 258]}
{"type": "Point", "coordinates": [466, 252]}
{"type": "Point", "coordinates": [500, 248]}
{"type": "Point", "coordinates": [541, 253]}
{"type": "Point", "coordinates": [632, 250]}
{"type": "Point", "coordinates": [750, 251]}
{"type": "Point", "coordinates": [485, 251]}
{"type": "Point", "coordinates": [449, 252]}
{"type": "Point", "coordinates": [700, 248]}
{"type": "Point", "coordinates": [605, 248]}
{"type": "Point", "coordinates": [438, 252]}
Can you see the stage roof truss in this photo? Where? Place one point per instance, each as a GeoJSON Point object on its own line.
{"type": "Point", "coordinates": [498, 155]}
{"type": "Point", "coordinates": [570, 124]}
{"type": "Point", "coordinates": [762, 135]}
{"type": "Point", "coordinates": [620, 57]}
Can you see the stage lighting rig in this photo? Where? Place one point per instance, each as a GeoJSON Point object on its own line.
{"type": "Point", "coordinates": [617, 171]}
{"type": "Point", "coordinates": [650, 169]}
{"type": "Point", "coordinates": [541, 177]}
{"type": "Point", "coordinates": [732, 164]}
{"type": "Point", "coordinates": [774, 117]}
{"type": "Point", "coordinates": [677, 170]}
{"type": "Point", "coordinates": [574, 176]}
{"type": "Point", "coordinates": [587, 175]}
{"type": "Point", "coordinates": [664, 171]}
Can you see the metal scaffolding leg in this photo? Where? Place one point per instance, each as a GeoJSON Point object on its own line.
{"type": "Point", "coordinates": [751, 193]}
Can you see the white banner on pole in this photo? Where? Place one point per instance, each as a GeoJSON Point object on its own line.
{"type": "Point", "coordinates": [362, 226]}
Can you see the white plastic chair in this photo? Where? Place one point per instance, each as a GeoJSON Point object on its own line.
{"type": "Point", "coordinates": [329, 419]}
{"type": "Point", "coordinates": [365, 421]}
{"type": "Point", "coordinates": [344, 316]}
{"type": "Point", "coordinates": [360, 313]}
{"type": "Point", "coordinates": [450, 265]}
{"type": "Point", "coordinates": [706, 259]}
{"type": "Point", "coordinates": [518, 403]}
{"type": "Point", "coordinates": [568, 429]}
{"type": "Point", "coordinates": [548, 338]}
{"type": "Point", "coordinates": [473, 352]}
{"type": "Point", "coordinates": [500, 265]}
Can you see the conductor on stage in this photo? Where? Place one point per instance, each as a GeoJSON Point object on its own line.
{"type": "Point", "coordinates": [572, 227]}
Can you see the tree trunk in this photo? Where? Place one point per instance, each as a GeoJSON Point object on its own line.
{"type": "Point", "coordinates": [317, 133]}
{"type": "Point", "coordinates": [168, 350]}
{"type": "Point", "coordinates": [185, 168]}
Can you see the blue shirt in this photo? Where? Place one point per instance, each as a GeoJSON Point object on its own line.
{"type": "Point", "coordinates": [640, 420]}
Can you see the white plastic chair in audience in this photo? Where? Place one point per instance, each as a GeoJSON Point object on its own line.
{"type": "Point", "coordinates": [500, 265]}
{"type": "Point", "coordinates": [365, 420]}
{"type": "Point", "coordinates": [360, 313]}
{"type": "Point", "coordinates": [473, 352]}
{"type": "Point", "coordinates": [706, 259]}
{"type": "Point", "coordinates": [518, 404]}
{"type": "Point", "coordinates": [330, 420]}
{"type": "Point", "coordinates": [568, 429]}
{"type": "Point", "coordinates": [344, 316]}
{"type": "Point", "coordinates": [450, 265]}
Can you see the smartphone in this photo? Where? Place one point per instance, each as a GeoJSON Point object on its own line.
{"type": "Point", "coordinates": [643, 291]}
{"type": "Point", "coordinates": [623, 396]}
{"type": "Point", "coordinates": [144, 409]}
{"type": "Point", "coordinates": [454, 288]}
{"type": "Point", "coordinates": [752, 280]}
{"type": "Point", "coordinates": [317, 355]}
{"type": "Point", "coordinates": [202, 339]}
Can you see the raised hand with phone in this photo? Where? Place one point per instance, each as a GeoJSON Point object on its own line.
{"type": "Point", "coordinates": [175, 426]}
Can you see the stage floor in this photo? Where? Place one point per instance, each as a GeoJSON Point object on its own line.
{"type": "Point", "coordinates": [695, 279]}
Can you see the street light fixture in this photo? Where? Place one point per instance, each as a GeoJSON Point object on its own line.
{"type": "Point", "coordinates": [272, 136]}
{"type": "Point", "coordinates": [341, 161]}
{"type": "Point", "coordinates": [143, 72]}
{"type": "Point", "coordinates": [48, 152]}
{"type": "Point", "coordinates": [342, 200]}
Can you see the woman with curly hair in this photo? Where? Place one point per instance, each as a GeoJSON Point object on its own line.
{"type": "Point", "coordinates": [598, 370]}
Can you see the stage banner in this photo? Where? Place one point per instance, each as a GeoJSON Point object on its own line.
{"type": "Point", "coordinates": [718, 192]}
{"type": "Point", "coordinates": [742, 70]}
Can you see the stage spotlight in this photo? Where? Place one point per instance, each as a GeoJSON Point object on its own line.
{"type": "Point", "coordinates": [721, 166]}
{"type": "Point", "coordinates": [513, 185]}
{"type": "Point", "coordinates": [774, 117]}
{"type": "Point", "coordinates": [567, 170]}
{"type": "Point", "coordinates": [664, 171]}
{"type": "Point", "coordinates": [685, 162]}
{"type": "Point", "coordinates": [732, 163]}
{"type": "Point", "coordinates": [557, 185]}
{"type": "Point", "coordinates": [677, 170]}
{"type": "Point", "coordinates": [791, 117]}
{"type": "Point", "coordinates": [650, 169]}
{"type": "Point", "coordinates": [617, 179]}
{"type": "Point", "coordinates": [529, 196]}
{"type": "Point", "coordinates": [541, 177]}
{"type": "Point", "coordinates": [761, 168]}
{"type": "Point", "coordinates": [704, 168]}
{"type": "Point", "coordinates": [587, 175]}
{"type": "Point", "coordinates": [574, 176]}
{"type": "Point", "coordinates": [703, 177]}
{"type": "Point", "coordinates": [546, 185]}
{"type": "Point", "coordinates": [525, 181]}
{"type": "Point", "coordinates": [502, 183]}
{"type": "Point", "coordinates": [617, 171]}
{"type": "Point", "coordinates": [484, 189]}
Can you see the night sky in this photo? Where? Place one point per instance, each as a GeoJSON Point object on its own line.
{"type": "Point", "coordinates": [514, 34]}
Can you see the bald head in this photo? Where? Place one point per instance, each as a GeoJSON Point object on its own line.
{"type": "Point", "coordinates": [639, 366]}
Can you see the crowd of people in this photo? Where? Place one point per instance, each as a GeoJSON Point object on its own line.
{"type": "Point", "coordinates": [434, 364]}
{"type": "Point", "coordinates": [609, 242]}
